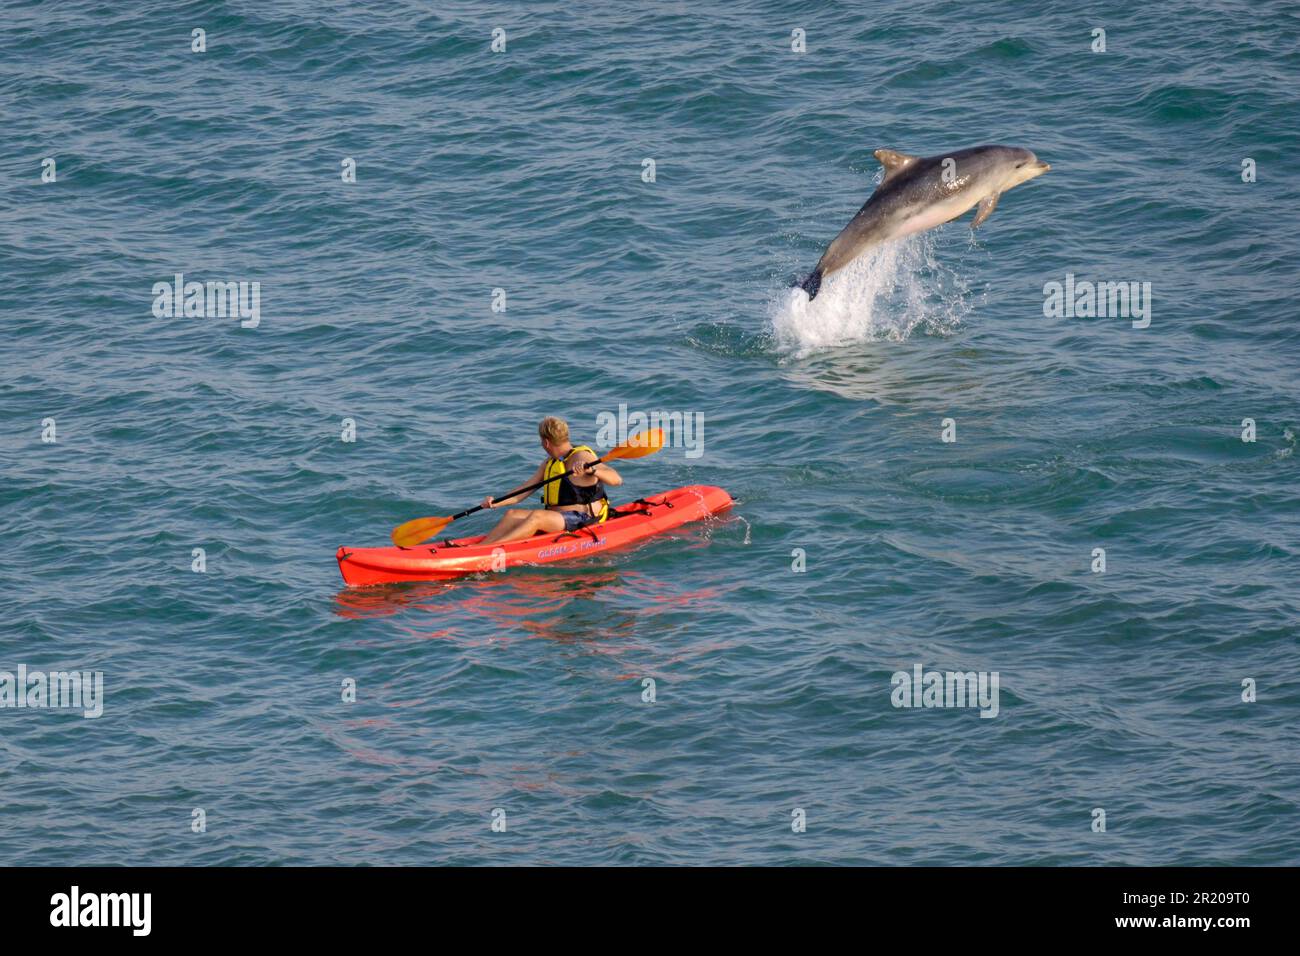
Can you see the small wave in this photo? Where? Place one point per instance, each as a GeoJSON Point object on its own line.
{"type": "Point", "coordinates": [1288, 436]}
{"type": "Point", "coordinates": [1173, 103]}
{"type": "Point", "coordinates": [720, 338]}
{"type": "Point", "coordinates": [886, 294]}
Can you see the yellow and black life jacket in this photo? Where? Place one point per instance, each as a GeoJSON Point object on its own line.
{"type": "Point", "coordinates": [565, 492]}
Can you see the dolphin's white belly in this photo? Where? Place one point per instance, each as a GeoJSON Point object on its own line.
{"type": "Point", "coordinates": [936, 215]}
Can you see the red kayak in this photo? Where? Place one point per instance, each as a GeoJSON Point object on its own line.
{"type": "Point", "coordinates": [454, 558]}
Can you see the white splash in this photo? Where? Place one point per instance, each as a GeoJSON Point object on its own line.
{"type": "Point", "coordinates": [884, 294]}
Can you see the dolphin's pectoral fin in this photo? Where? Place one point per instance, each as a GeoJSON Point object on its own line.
{"type": "Point", "coordinates": [893, 161]}
{"type": "Point", "coordinates": [987, 205]}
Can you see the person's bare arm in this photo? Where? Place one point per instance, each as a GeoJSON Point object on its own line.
{"type": "Point", "coordinates": [584, 476]}
{"type": "Point", "coordinates": [538, 475]}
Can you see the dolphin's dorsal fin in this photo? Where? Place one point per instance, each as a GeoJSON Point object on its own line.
{"type": "Point", "coordinates": [894, 162]}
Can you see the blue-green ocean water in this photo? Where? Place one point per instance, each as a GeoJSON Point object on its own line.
{"type": "Point", "coordinates": [522, 170]}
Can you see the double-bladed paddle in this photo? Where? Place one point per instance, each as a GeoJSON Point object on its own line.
{"type": "Point", "coordinates": [422, 529]}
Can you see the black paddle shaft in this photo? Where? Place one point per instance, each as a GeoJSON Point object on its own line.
{"type": "Point", "coordinates": [524, 490]}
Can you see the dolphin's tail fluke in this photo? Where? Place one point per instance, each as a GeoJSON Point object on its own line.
{"type": "Point", "coordinates": [811, 283]}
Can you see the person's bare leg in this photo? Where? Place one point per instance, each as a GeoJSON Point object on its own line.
{"type": "Point", "coordinates": [519, 523]}
{"type": "Point", "coordinates": [510, 521]}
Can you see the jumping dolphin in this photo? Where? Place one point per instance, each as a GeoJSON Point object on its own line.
{"type": "Point", "coordinates": [918, 194]}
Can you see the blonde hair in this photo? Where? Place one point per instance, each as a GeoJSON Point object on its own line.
{"type": "Point", "coordinates": [554, 430]}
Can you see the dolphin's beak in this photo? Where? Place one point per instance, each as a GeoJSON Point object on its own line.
{"type": "Point", "coordinates": [1033, 170]}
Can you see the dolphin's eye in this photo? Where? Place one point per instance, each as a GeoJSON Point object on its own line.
{"type": "Point", "coordinates": [1018, 165]}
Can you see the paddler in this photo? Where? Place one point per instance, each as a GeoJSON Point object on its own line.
{"type": "Point", "coordinates": [572, 502]}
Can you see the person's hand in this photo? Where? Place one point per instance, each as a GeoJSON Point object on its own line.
{"type": "Point", "coordinates": [581, 469]}
{"type": "Point", "coordinates": [487, 502]}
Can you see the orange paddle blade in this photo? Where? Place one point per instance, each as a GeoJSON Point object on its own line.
{"type": "Point", "coordinates": [638, 446]}
{"type": "Point", "coordinates": [417, 530]}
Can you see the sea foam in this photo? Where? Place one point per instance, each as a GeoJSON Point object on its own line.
{"type": "Point", "coordinates": [884, 294]}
